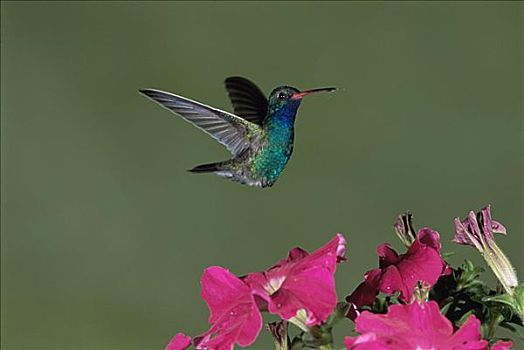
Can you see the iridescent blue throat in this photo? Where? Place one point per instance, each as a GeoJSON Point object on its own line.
{"type": "Point", "coordinates": [280, 133]}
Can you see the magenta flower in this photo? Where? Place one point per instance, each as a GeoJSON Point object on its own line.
{"type": "Point", "coordinates": [301, 288]}
{"type": "Point", "coordinates": [412, 327]}
{"type": "Point", "coordinates": [179, 342]}
{"type": "Point", "coordinates": [502, 345]}
{"type": "Point", "coordinates": [234, 315]}
{"type": "Point", "coordinates": [422, 262]}
{"type": "Point", "coordinates": [477, 231]}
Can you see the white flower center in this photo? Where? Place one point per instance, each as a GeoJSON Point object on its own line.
{"type": "Point", "coordinates": [274, 284]}
{"type": "Point", "coordinates": [300, 320]}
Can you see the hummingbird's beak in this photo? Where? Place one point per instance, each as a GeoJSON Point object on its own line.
{"type": "Point", "coordinates": [301, 94]}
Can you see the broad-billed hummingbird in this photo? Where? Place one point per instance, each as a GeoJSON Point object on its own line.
{"type": "Point", "coordinates": [259, 135]}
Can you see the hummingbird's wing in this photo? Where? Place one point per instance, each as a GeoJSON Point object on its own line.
{"type": "Point", "coordinates": [233, 132]}
{"type": "Point", "coordinates": [247, 99]}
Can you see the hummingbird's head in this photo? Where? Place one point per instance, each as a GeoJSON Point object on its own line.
{"type": "Point", "coordinates": [287, 96]}
{"type": "Point", "coordinates": [283, 95]}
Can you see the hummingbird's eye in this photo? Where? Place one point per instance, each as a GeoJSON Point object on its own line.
{"type": "Point", "coordinates": [281, 96]}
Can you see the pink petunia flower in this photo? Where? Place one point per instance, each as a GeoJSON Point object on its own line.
{"type": "Point", "coordinates": [422, 262]}
{"type": "Point", "coordinates": [179, 342]}
{"type": "Point", "coordinates": [301, 288]}
{"type": "Point", "coordinates": [413, 327]}
{"type": "Point", "coordinates": [234, 314]}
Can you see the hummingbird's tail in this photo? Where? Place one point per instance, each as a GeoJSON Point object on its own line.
{"type": "Point", "coordinates": [230, 169]}
{"type": "Point", "coordinates": [208, 168]}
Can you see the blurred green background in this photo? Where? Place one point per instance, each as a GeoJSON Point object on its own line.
{"type": "Point", "coordinates": [105, 234]}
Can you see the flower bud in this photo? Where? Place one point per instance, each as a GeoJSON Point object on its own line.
{"type": "Point", "coordinates": [404, 229]}
{"type": "Point", "coordinates": [477, 230]}
{"type": "Point", "coordinates": [279, 332]}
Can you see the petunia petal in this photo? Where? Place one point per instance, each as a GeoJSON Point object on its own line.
{"type": "Point", "coordinates": [386, 255]}
{"type": "Point", "coordinates": [234, 314]}
{"type": "Point", "coordinates": [468, 335]}
{"type": "Point", "coordinates": [420, 263]}
{"type": "Point", "coordinates": [287, 287]}
{"type": "Point", "coordinates": [430, 238]}
{"type": "Point", "coordinates": [364, 294]}
{"type": "Point", "coordinates": [179, 342]}
{"type": "Point", "coordinates": [326, 256]}
{"type": "Point", "coordinates": [502, 345]}
{"type": "Point", "coordinates": [299, 292]}
{"type": "Point", "coordinates": [412, 327]}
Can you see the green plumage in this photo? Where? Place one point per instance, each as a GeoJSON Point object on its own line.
{"type": "Point", "coordinates": [272, 158]}
{"type": "Point", "coordinates": [259, 135]}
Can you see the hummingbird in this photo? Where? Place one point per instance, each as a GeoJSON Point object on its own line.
{"type": "Point", "coordinates": [259, 134]}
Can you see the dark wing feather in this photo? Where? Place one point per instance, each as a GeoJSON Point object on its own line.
{"type": "Point", "coordinates": [247, 99]}
{"type": "Point", "coordinates": [228, 129]}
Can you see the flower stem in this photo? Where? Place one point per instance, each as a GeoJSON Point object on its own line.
{"type": "Point", "coordinates": [501, 266]}
{"type": "Point", "coordinates": [326, 347]}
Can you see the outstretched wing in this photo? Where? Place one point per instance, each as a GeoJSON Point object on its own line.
{"type": "Point", "coordinates": [233, 132]}
{"type": "Point", "coordinates": [247, 99]}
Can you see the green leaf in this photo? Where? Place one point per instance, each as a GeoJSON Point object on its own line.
{"type": "Point", "coordinates": [444, 309]}
{"type": "Point", "coordinates": [447, 255]}
{"type": "Point", "coordinates": [519, 300]}
{"type": "Point", "coordinates": [505, 299]}
{"type": "Point", "coordinates": [464, 317]}
{"type": "Point", "coordinates": [340, 313]}
{"type": "Point", "coordinates": [508, 326]}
